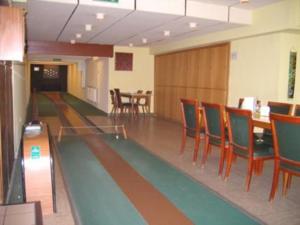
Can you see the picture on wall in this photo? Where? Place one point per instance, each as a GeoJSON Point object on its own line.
{"type": "Point", "coordinates": [292, 74]}
{"type": "Point", "coordinates": [123, 61]}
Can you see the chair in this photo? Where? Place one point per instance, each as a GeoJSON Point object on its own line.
{"type": "Point", "coordinates": [286, 133]}
{"type": "Point", "coordinates": [191, 124]}
{"type": "Point", "coordinates": [124, 105]}
{"type": "Point", "coordinates": [113, 102]}
{"type": "Point", "coordinates": [242, 143]}
{"type": "Point", "coordinates": [145, 102]}
{"type": "Point", "coordinates": [297, 110]}
{"type": "Point", "coordinates": [213, 117]}
{"type": "Point", "coordinates": [279, 108]}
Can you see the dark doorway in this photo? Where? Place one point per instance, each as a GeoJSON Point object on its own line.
{"type": "Point", "coordinates": [49, 77]}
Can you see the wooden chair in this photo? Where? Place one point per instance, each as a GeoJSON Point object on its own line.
{"type": "Point", "coordinates": [123, 106]}
{"type": "Point", "coordinates": [242, 143]}
{"type": "Point", "coordinates": [213, 116]}
{"type": "Point", "coordinates": [297, 110]}
{"type": "Point", "coordinates": [286, 133]}
{"type": "Point", "coordinates": [191, 124]}
{"type": "Point", "coordinates": [113, 102]}
{"type": "Point", "coordinates": [279, 108]}
{"type": "Point", "coordinates": [145, 102]}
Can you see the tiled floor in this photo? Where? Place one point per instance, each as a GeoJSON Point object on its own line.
{"type": "Point", "coordinates": [163, 138]}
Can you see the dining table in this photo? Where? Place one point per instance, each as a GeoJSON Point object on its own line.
{"type": "Point", "coordinates": [135, 97]}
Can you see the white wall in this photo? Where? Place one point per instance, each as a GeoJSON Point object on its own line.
{"type": "Point", "coordinates": [19, 102]}
{"type": "Point", "coordinates": [259, 67]}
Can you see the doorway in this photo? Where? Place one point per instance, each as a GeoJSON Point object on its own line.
{"type": "Point", "coordinates": [49, 77]}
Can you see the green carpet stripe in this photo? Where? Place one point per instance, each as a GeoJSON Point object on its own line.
{"type": "Point", "coordinates": [45, 106]}
{"type": "Point", "coordinates": [96, 197]}
{"type": "Point", "coordinates": [200, 204]}
{"type": "Point", "coordinates": [81, 106]}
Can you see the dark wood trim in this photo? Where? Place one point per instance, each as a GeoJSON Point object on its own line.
{"type": "Point", "coordinates": [64, 48]}
{"type": "Point", "coordinates": [6, 112]}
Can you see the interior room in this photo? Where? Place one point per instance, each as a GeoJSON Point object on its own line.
{"type": "Point", "coordinates": [149, 112]}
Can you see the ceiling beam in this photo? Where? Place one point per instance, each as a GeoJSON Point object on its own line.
{"type": "Point", "coordinates": [64, 48]}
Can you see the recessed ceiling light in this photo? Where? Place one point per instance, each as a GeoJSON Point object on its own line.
{"type": "Point", "coordinates": [130, 45]}
{"type": "Point", "coordinates": [167, 33]}
{"type": "Point", "coordinates": [192, 25]}
{"type": "Point", "coordinates": [144, 40]}
{"type": "Point", "coordinates": [100, 16]}
{"type": "Point", "coordinates": [88, 27]}
{"type": "Point", "coordinates": [72, 41]}
{"type": "Point", "coordinates": [78, 35]}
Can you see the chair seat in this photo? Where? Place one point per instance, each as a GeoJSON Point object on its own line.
{"type": "Point", "coordinates": [260, 150]}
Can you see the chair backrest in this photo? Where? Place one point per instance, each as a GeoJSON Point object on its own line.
{"type": "Point", "coordinates": [112, 97]}
{"type": "Point", "coordinates": [147, 100]}
{"type": "Point", "coordinates": [213, 120]}
{"type": "Point", "coordinates": [190, 115]}
{"type": "Point", "coordinates": [240, 130]}
{"type": "Point", "coordinates": [280, 108]}
{"type": "Point", "coordinates": [139, 92]}
{"type": "Point", "coordinates": [118, 97]}
{"type": "Point", "coordinates": [297, 110]}
{"type": "Point", "coordinates": [286, 136]}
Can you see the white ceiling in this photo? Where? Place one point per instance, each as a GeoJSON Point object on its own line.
{"type": "Point", "coordinates": [131, 20]}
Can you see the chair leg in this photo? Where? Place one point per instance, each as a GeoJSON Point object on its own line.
{"type": "Point", "coordinates": [289, 181]}
{"type": "Point", "coordinates": [228, 164]}
{"type": "Point", "coordinates": [249, 173]}
{"type": "Point", "coordinates": [183, 140]}
{"type": "Point", "coordinates": [205, 151]}
{"type": "Point", "coordinates": [196, 149]}
{"type": "Point", "coordinates": [285, 183]}
{"type": "Point", "coordinates": [275, 180]}
{"type": "Point", "coordinates": [222, 159]}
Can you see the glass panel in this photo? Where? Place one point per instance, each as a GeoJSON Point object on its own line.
{"type": "Point", "coordinates": [292, 74]}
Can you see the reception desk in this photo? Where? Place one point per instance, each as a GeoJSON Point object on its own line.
{"type": "Point", "coordinates": [38, 169]}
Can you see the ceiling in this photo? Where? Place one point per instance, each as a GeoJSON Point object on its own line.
{"type": "Point", "coordinates": [130, 21]}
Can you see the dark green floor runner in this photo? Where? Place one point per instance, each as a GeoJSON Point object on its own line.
{"type": "Point", "coordinates": [82, 107]}
{"type": "Point", "coordinates": [199, 203]}
{"type": "Point", "coordinates": [96, 198]}
{"type": "Point", "coordinates": [45, 106]}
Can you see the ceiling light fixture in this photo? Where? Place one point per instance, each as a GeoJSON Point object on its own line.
{"type": "Point", "coordinates": [144, 40]}
{"type": "Point", "coordinates": [192, 25]}
{"type": "Point", "coordinates": [88, 27]}
{"type": "Point", "coordinates": [130, 45]}
{"type": "Point", "coordinates": [78, 35]}
{"type": "Point", "coordinates": [72, 41]}
{"type": "Point", "coordinates": [244, 1]}
{"type": "Point", "coordinates": [167, 33]}
{"type": "Point", "coordinates": [100, 16]}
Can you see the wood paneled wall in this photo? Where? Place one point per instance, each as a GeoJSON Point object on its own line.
{"type": "Point", "coordinates": [197, 73]}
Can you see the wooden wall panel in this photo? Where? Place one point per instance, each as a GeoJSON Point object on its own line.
{"type": "Point", "coordinates": [12, 33]}
{"type": "Point", "coordinates": [197, 73]}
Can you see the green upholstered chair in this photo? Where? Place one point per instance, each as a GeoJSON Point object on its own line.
{"type": "Point", "coordinates": [213, 117]}
{"type": "Point", "coordinates": [242, 143]}
{"type": "Point", "coordinates": [297, 110]}
{"type": "Point", "coordinates": [191, 121]}
{"type": "Point", "coordinates": [279, 108]}
{"type": "Point", "coordinates": [286, 133]}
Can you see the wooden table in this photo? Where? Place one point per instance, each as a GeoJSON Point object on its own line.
{"type": "Point", "coordinates": [134, 97]}
{"type": "Point", "coordinates": [262, 122]}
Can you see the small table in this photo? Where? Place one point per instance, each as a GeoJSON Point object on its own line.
{"type": "Point", "coordinates": [134, 97]}
{"type": "Point", "coordinates": [262, 122]}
